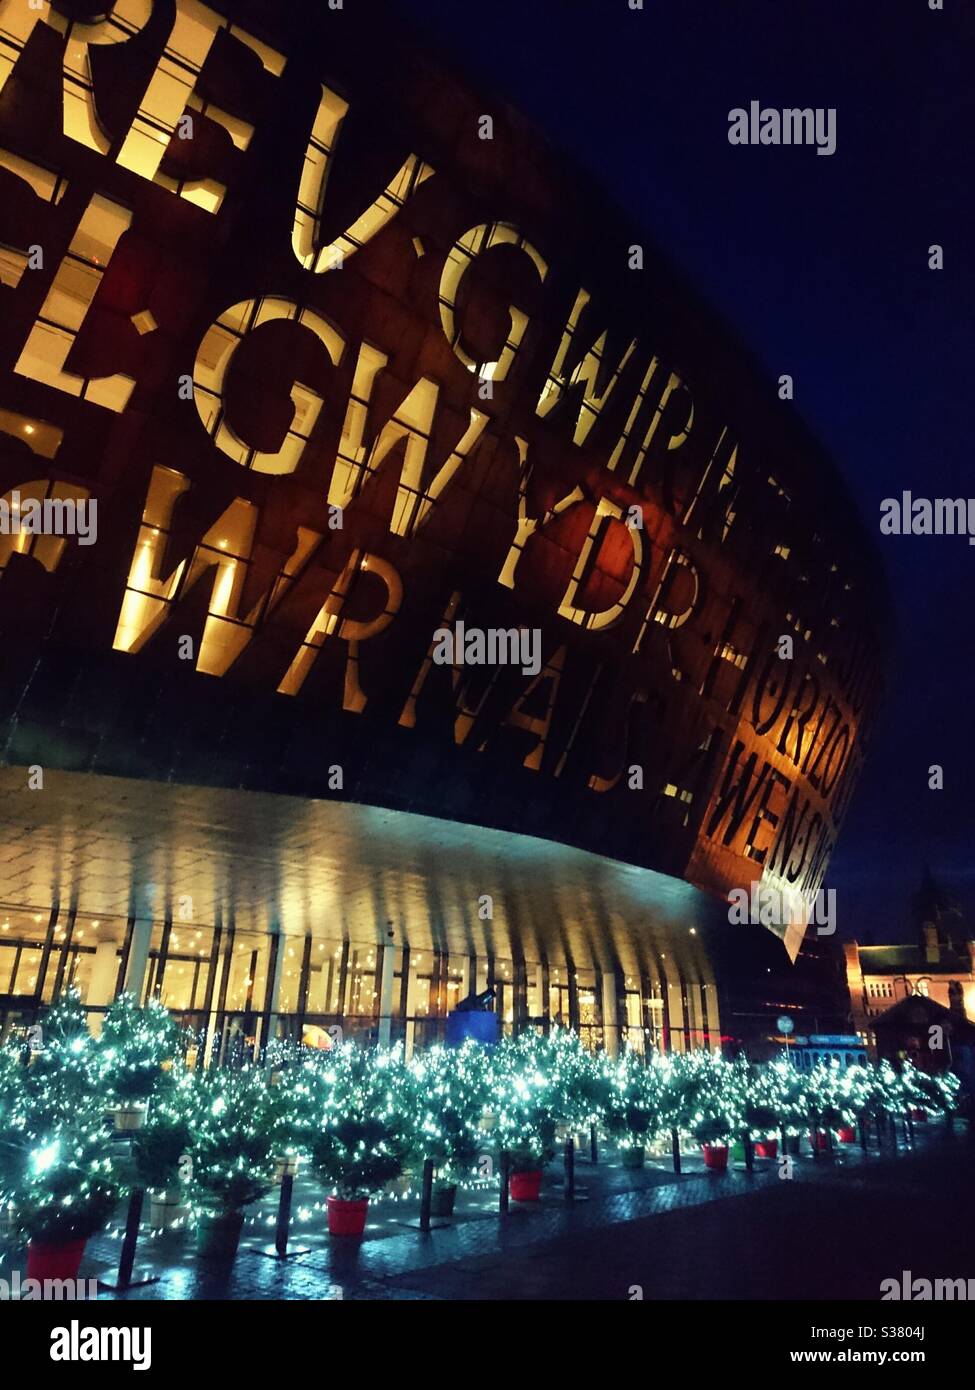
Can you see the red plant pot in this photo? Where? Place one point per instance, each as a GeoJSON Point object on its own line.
{"type": "Point", "coordinates": [819, 1141]}
{"type": "Point", "coordinates": [919, 1117]}
{"type": "Point", "coordinates": [54, 1259]}
{"type": "Point", "coordinates": [766, 1148]}
{"type": "Point", "coordinates": [846, 1134]}
{"type": "Point", "coordinates": [715, 1157]}
{"type": "Point", "coordinates": [346, 1218]}
{"type": "Point", "coordinates": [526, 1187]}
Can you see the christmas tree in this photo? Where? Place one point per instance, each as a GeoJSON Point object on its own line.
{"type": "Point", "coordinates": [135, 1044]}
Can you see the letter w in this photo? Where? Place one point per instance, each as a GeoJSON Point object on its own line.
{"type": "Point", "coordinates": [735, 795]}
{"type": "Point", "coordinates": [412, 421]}
{"type": "Point", "coordinates": [225, 549]}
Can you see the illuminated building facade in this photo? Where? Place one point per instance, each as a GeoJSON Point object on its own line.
{"type": "Point", "coordinates": [347, 358]}
{"type": "Point", "coordinates": [939, 966]}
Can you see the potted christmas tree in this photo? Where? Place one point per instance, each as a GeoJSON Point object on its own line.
{"type": "Point", "coordinates": [761, 1110]}
{"type": "Point", "coordinates": [14, 1149]}
{"type": "Point", "coordinates": [713, 1105]}
{"type": "Point", "coordinates": [789, 1095]}
{"type": "Point", "coordinates": [231, 1161]}
{"type": "Point", "coordinates": [851, 1098]}
{"type": "Point", "coordinates": [63, 1192]}
{"type": "Point", "coordinates": [580, 1082]}
{"type": "Point", "coordinates": [761, 1122]}
{"type": "Point", "coordinates": [293, 1111]}
{"type": "Point", "coordinates": [356, 1157]}
{"type": "Point", "coordinates": [62, 1080]}
{"type": "Point", "coordinates": [632, 1116]}
{"type": "Point", "coordinates": [134, 1046]}
{"type": "Point", "coordinates": [632, 1128]}
{"type": "Point", "coordinates": [56, 1174]}
{"type": "Point", "coordinates": [825, 1111]}
{"type": "Point", "coordinates": [454, 1150]}
{"type": "Point", "coordinates": [714, 1134]}
{"type": "Point", "coordinates": [445, 1093]}
{"type": "Point", "coordinates": [925, 1093]}
{"type": "Point", "coordinates": [528, 1139]}
{"type": "Point", "coordinates": [526, 1168]}
{"type": "Point", "coordinates": [525, 1105]}
{"type": "Point", "coordinates": [160, 1150]}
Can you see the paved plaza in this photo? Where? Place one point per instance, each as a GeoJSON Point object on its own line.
{"type": "Point", "coordinates": [833, 1230]}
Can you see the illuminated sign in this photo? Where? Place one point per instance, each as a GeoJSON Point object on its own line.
{"type": "Point", "coordinates": [834, 1040]}
{"type": "Point", "coordinates": [341, 377]}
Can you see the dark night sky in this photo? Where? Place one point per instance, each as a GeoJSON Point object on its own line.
{"type": "Point", "coordinates": [820, 263]}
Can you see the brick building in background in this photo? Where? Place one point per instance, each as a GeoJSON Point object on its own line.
{"type": "Point", "coordinates": [938, 967]}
